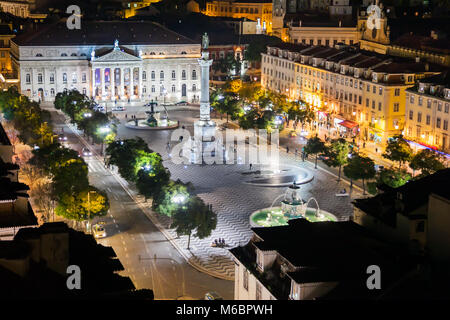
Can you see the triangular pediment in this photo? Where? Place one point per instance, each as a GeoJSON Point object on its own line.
{"type": "Point", "coordinates": [117, 55]}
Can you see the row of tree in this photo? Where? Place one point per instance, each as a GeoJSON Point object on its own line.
{"type": "Point", "coordinates": [27, 118]}
{"type": "Point", "coordinates": [138, 164]}
{"type": "Point", "coordinates": [254, 107]}
{"type": "Point", "coordinates": [340, 153]}
{"type": "Point", "coordinates": [80, 109]}
{"type": "Point", "coordinates": [58, 173]}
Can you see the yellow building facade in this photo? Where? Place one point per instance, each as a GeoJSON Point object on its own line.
{"type": "Point", "coordinates": [253, 10]}
{"type": "Point", "coordinates": [344, 85]}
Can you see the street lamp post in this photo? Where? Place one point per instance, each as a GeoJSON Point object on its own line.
{"type": "Point", "coordinates": [89, 211]}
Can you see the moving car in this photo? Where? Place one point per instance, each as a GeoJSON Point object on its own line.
{"type": "Point", "coordinates": [86, 152]}
{"type": "Point", "coordinates": [99, 108]}
{"type": "Point", "coordinates": [62, 137]}
{"type": "Point", "coordinates": [98, 230]}
{"type": "Point", "coordinates": [212, 295]}
{"type": "Point", "coordinates": [181, 103]}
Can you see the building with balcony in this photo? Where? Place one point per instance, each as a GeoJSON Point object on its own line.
{"type": "Point", "coordinates": [315, 260]}
{"type": "Point", "coordinates": [427, 113]}
{"type": "Point", "coordinates": [359, 93]}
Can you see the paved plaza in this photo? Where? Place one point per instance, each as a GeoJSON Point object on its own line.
{"type": "Point", "coordinates": [224, 187]}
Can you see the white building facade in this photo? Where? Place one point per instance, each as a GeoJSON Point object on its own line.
{"type": "Point", "coordinates": [160, 65]}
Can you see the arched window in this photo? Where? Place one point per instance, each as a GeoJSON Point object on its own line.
{"type": "Point", "coordinates": [161, 75]}
{"type": "Point", "coordinates": [183, 90]}
{"type": "Point", "coordinates": [39, 77]}
{"type": "Point", "coordinates": [64, 77]}
{"type": "Point", "coordinates": [173, 88]}
{"type": "Point", "coordinates": [144, 75]}
{"type": "Point", "coordinates": [152, 53]}
{"type": "Point", "coordinates": [153, 75]}
{"type": "Point", "coordinates": [83, 55]}
{"type": "Point", "coordinates": [153, 89]}
{"type": "Point", "coordinates": [73, 55]}
{"type": "Point", "coordinates": [194, 75]}
{"type": "Point", "coordinates": [194, 87]}
{"type": "Point", "coordinates": [38, 54]}
{"type": "Point", "coordinates": [52, 92]}
{"type": "Point", "coordinates": [63, 54]}
{"type": "Point", "coordinates": [183, 75]}
{"type": "Point", "coordinates": [183, 52]}
{"type": "Point", "coordinates": [84, 91]}
{"type": "Point", "coordinates": [144, 89]}
{"type": "Point", "coordinates": [28, 78]}
{"type": "Point", "coordinates": [173, 74]}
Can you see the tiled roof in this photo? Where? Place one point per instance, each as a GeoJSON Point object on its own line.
{"type": "Point", "coordinates": [103, 33]}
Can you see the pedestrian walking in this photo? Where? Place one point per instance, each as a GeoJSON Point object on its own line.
{"type": "Point", "coordinates": [126, 117]}
{"type": "Point", "coordinates": [364, 144]}
{"type": "Point", "coordinates": [287, 149]}
{"type": "Point", "coordinates": [251, 167]}
{"type": "Point", "coordinates": [296, 151]}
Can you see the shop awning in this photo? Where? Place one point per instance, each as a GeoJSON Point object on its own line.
{"type": "Point", "coordinates": [348, 124]}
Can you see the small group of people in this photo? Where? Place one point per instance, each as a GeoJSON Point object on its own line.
{"type": "Point", "coordinates": [219, 242]}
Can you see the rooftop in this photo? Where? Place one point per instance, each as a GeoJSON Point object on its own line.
{"type": "Point", "coordinates": [322, 252]}
{"type": "Point", "coordinates": [414, 195]}
{"type": "Point", "coordinates": [102, 33]}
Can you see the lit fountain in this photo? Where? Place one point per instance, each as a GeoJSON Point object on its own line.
{"type": "Point", "coordinates": [154, 120]}
{"type": "Point", "coordinates": [292, 207]}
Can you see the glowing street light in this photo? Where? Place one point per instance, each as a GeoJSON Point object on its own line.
{"type": "Point", "coordinates": [179, 198]}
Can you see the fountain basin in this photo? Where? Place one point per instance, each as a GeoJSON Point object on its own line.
{"type": "Point", "coordinates": [261, 217]}
{"type": "Point", "coordinates": [144, 125]}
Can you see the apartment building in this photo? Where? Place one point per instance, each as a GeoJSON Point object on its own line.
{"type": "Point", "coordinates": [427, 113]}
{"type": "Point", "coordinates": [358, 93]}
{"type": "Point", "coordinates": [256, 10]}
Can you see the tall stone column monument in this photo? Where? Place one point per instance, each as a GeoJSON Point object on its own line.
{"type": "Point", "coordinates": [205, 128]}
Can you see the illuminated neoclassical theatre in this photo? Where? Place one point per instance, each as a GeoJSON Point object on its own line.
{"type": "Point", "coordinates": [110, 61]}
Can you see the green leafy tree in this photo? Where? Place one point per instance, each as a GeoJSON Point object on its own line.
{"type": "Point", "coordinates": [393, 178]}
{"type": "Point", "coordinates": [314, 146]}
{"type": "Point", "coordinates": [360, 167]}
{"type": "Point", "coordinates": [427, 161]}
{"type": "Point", "coordinates": [337, 153]}
{"type": "Point", "coordinates": [172, 196]}
{"type": "Point", "coordinates": [70, 177]}
{"type": "Point", "coordinates": [151, 174]}
{"type": "Point", "coordinates": [398, 150]}
{"type": "Point", "coordinates": [195, 216]}
{"type": "Point", "coordinates": [124, 154]}
{"type": "Point", "coordinates": [79, 207]}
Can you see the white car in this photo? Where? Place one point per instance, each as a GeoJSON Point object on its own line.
{"type": "Point", "coordinates": [86, 152]}
{"type": "Point", "coordinates": [98, 230]}
{"type": "Point", "coordinates": [118, 108]}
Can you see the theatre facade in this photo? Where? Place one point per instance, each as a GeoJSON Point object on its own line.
{"type": "Point", "coordinates": [109, 61]}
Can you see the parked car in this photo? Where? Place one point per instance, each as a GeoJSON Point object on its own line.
{"type": "Point", "coordinates": [213, 296]}
{"type": "Point", "coordinates": [181, 103]}
{"type": "Point", "coordinates": [292, 134]}
{"type": "Point", "coordinates": [99, 108]}
{"type": "Point", "coordinates": [86, 152]}
{"type": "Point", "coordinates": [118, 108]}
{"type": "Point", "coordinates": [98, 230]}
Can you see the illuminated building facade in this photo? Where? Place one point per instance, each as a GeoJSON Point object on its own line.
{"type": "Point", "coordinates": [149, 63]}
{"type": "Point", "coordinates": [356, 92]}
{"type": "Point", "coordinates": [427, 113]}
{"type": "Point", "coordinates": [256, 10]}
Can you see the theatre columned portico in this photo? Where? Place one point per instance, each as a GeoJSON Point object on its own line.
{"type": "Point", "coordinates": [116, 76]}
